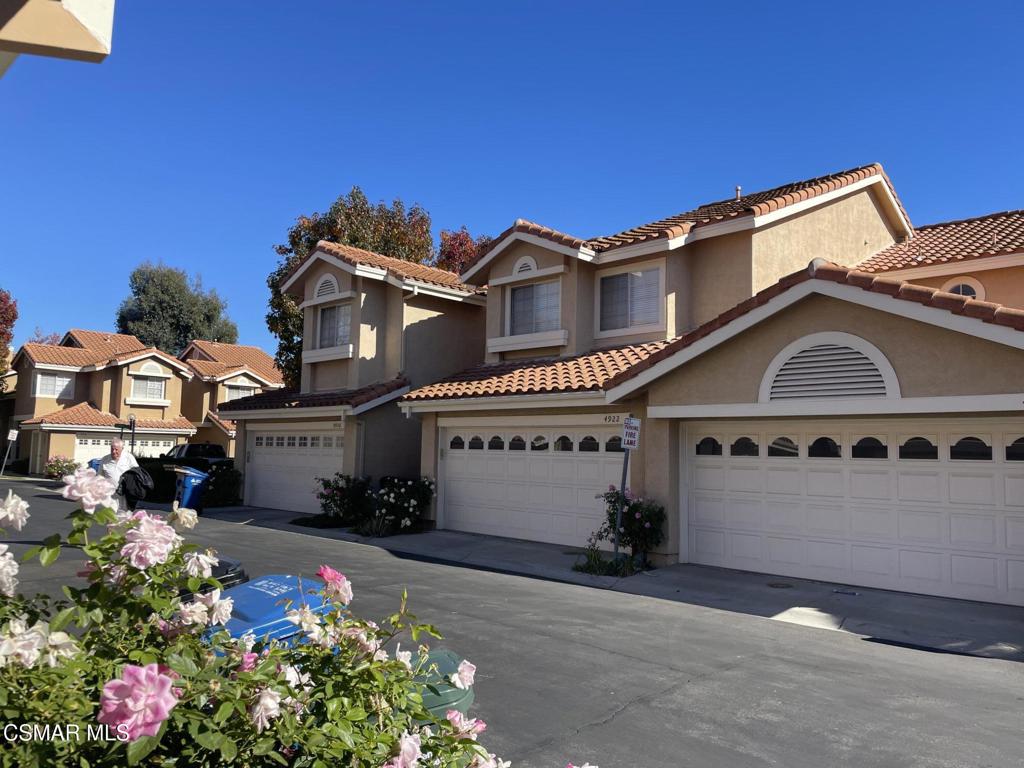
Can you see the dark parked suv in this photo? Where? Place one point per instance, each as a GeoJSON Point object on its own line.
{"type": "Point", "coordinates": [212, 452]}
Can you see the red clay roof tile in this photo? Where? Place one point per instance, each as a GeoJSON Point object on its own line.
{"type": "Point", "coordinates": [289, 398]}
{"type": "Point", "coordinates": [226, 357]}
{"type": "Point", "coordinates": [87, 415]}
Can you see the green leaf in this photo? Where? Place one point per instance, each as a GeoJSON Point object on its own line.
{"type": "Point", "coordinates": [182, 665]}
{"type": "Point", "coordinates": [61, 619]}
{"type": "Point", "coordinates": [48, 556]}
{"type": "Point", "coordinates": [263, 746]}
{"type": "Point", "coordinates": [30, 553]}
{"type": "Point", "coordinates": [104, 515]}
{"type": "Point", "coordinates": [277, 758]}
{"type": "Point", "coordinates": [211, 740]}
{"type": "Point", "coordinates": [140, 748]}
{"type": "Point", "coordinates": [194, 583]}
{"type": "Point", "coordinates": [223, 712]}
{"type": "Point", "coordinates": [356, 714]}
{"type": "Point", "coordinates": [228, 750]}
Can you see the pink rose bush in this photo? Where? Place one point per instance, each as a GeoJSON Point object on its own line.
{"type": "Point", "coordinates": [139, 645]}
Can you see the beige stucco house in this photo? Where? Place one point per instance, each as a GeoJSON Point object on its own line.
{"type": "Point", "coordinates": [66, 29]}
{"type": "Point", "coordinates": [222, 373]}
{"type": "Point", "coordinates": [374, 327]}
{"type": "Point", "coordinates": [799, 417]}
{"type": "Point", "coordinates": [73, 398]}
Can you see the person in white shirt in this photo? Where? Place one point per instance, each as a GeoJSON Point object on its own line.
{"type": "Point", "coordinates": [115, 464]}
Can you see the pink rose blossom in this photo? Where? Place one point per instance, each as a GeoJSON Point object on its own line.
{"type": "Point", "coordinates": [338, 586]}
{"type": "Point", "coordinates": [90, 489]}
{"type": "Point", "coordinates": [150, 542]}
{"type": "Point", "coordinates": [408, 752]}
{"type": "Point", "coordinates": [248, 662]}
{"type": "Point", "coordinates": [266, 707]}
{"type": "Point", "coordinates": [465, 675]}
{"type": "Point", "coordinates": [140, 699]}
{"type": "Point", "coordinates": [465, 727]}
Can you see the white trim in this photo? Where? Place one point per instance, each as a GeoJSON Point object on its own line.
{"type": "Point", "coordinates": [583, 253]}
{"type": "Point", "coordinates": [35, 386]}
{"type": "Point", "coordinates": [506, 402]}
{"type": "Point", "coordinates": [528, 341]}
{"type": "Point", "coordinates": [144, 374]}
{"type": "Point", "coordinates": [193, 348]}
{"type": "Point", "coordinates": [865, 347]}
{"type": "Point", "coordinates": [853, 407]}
{"type": "Point", "coordinates": [524, 277]}
{"type": "Point", "coordinates": [317, 255]}
{"type": "Point", "coordinates": [289, 426]}
{"type": "Point", "coordinates": [642, 249]}
{"type": "Point", "coordinates": [374, 273]}
{"type": "Point", "coordinates": [170, 362]}
{"type": "Point", "coordinates": [141, 401]}
{"type": "Point", "coordinates": [452, 294]}
{"type": "Point", "coordinates": [556, 420]}
{"type": "Point", "coordinates": [930, 315]}
{"type": "Point", "coordinates": [277, 413]}
{"type": "Point", "coordinates": [979, 289]}
{"type": "Point", "coordinates": [51, 367]}
{"type": "Point", "coordinates": [91, 428]}
{"type": "Point", "coordinates": [958, 267]}
{"type": "Point", "coordinates": [507, 296]}
{"type": "Point", "coordinates": [340, 352]}
{"type": "Point", "coordinates": [524, 261]}
{"type": "Point", "coordinates": [338, 296]}
{"type": "Point", "coordinates": [379, 401]}
{"type": "Point", "coordinates": [658, 327]}
{"type": "Point", "coordinates": [245, 372]}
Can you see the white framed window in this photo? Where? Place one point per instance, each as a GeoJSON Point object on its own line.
{"type": "Point", "coordinates": [535, 308]}
{"type": "Point", "coordinates": [148, 388]}
{"type": "Point", "coordinates": [259, 441]}
{"type": "Point", "coordinates": [631, 299]}
{"type": "Point", "coordinates": [58, 385]}
{"type": "Point", "coordinates": [232, 392]}
{"type": "Point", "coordinates": [334, 324]}
{"type": "Point", "coordinates": [968, 287]}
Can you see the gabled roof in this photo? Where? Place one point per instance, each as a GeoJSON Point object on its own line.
{"type": "Point", "coordinates": [110, 349]}
{"type": "Point", "coordinates": [102, 342]}
{"type": "Point", "coordinates": [994, 234]}
{"type": "Point", "coordinates": [218, 360]}
{"type": "Point", "coordinates": [751, 205]}
{"type": "Point", "coordinates": [87, 415]}
{"type": "Point", "coordinates": [580, 373]}
{"type": "Point", "coordinates": [54, 354]}
{"type": "Point", "coordinates": [290, 398]}
{"type": "Point", "coordinates": [226, 425]}
{"type": "Point", "coordinates": [398, 268]}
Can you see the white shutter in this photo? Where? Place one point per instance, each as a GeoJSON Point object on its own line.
{"type": "Point", "coordinates": [828, 370]}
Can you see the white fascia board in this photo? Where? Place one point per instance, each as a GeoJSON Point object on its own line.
{"type": "Point", "coordinates": [843, 407]}
{"type": "Point", "coordinates": [427, 289]}
{"type": "Point", "coordinates": [183, 370]}
{"type": "Point", "coordinates": [93, 428]}
{"type": "Point", "coordinates": [909, 309]}
{"type": "Point", "coordinates": [290, 413]}
{"type": "Point", "coordinates": [373, 273]}
{"type": "Point", "coordinates": [978, 264]}
{"type": "Point", "coordinates": [247, 372]}
{"type": "Point", "coordinates": [506, 402]}
{"type": "Point", "coordinates": [607, 419]}
{"type": "Point", "coordinates": [340, 296]}
{"type": "Point", "coordinates": [641, 249]}
{"type": "Point", "coordinates": [318, 255]}
{"type": "Point", "coordinates": [523, 277]}
{"type": "Point", "coordinates": [53, 367]}
{"type": "Point", "coordinates": [382, 400]}
{"type": "Point", "coordinates": [582, 253]}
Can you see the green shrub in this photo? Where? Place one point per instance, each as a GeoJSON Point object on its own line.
{"type": "Point", "coordinates": [643, 523]}
{"type": "Point", "coordinates": [59, 466]}
{"type": "Point", "coordinates": [347, 499]}
{"type": "Point", "coordinates": [400, 506]}
{"type": "Point", "coordinates": [225, 487]}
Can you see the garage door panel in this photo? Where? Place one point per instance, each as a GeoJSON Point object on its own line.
{"type": "Point", "coordinates": [940, 526]}
{"type": "Point", "coordinates": [283, 467]}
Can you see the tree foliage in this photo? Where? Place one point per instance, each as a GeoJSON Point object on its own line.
{"type": "Point", "coordinates": [8, 316]}
{"type": "Point", "coordinates": [392, 230]}
{"type": "Point", "coordinates": [458, 249]}
{"type": "Point", "coordinates": [167, 309]}
{"type": "Point", "coordinates": [39, 337]}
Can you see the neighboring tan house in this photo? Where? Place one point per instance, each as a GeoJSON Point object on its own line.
{"type": "Point", "coordinates": [798, 418]}
{"type": "Point", "coordinates": [374, 327]}
{"type": "Point", "coordinates": [223, 372]}
{"type": "Point", "coordinates": [981, 258]}
{"type": "Point", "coordinates": [73, 398]}
{"type": "Point", "coordinates": [7, 393]}
{"type": "Point", "coordinates": [66, 29]}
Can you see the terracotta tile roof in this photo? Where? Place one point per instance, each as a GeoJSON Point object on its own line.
{"type": "Point", "coordinates": [399, 267]}
{"type": "Point", "coordinates": [821, 270]}
{"type": "Point", "coordinates": [87, 415]}
{"type": "Point", "coordinates": [752, 204]}
{"type": "Point", "coordinates": [145, 352]}
{"type": "Point", "coordinates": [226, 357]}
{"type": "Point", "coordinates": [226, 424]}
{"type": "Point", "coordinates": [581, 373]}
{"type": "Point", "coordinates": [106, 344]}
{"type": "Point", "coordinates": [53, 354]}
{"type": "Point", "coordinates": [953, 241]}
{"type": "Point", "coordinates": [289, 398]}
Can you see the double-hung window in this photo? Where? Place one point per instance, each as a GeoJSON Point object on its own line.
{"type": "Point", "coordinates": [535, 308]}
{"type": "Point", "coordinates": [58, 385]}
{"type": "Point", "coordinates": [235, 392]}
{"type": "Point", "coordinates": [335, 322]}
{"type": "Point", "coordinates": [148, 388]}
{"type": "Point", "coordinates": [631, 299]}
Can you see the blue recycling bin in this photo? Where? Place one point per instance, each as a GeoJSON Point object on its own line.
{"type": "Point", "coordinates": [260, 606]}
{"type": "Point", "coordinates": [190, 486]}
{"type": "Point", "coordinates": [95, 464]}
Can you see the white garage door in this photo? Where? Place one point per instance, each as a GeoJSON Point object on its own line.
{"type": "Point", "coordinates": [538, 483]}
{"type": "Point", "coordinates": [96, 445]}
{"type": "Point", "coordinates": [283, 467]}
{"type": "Point", "coordinates": [919, 506]}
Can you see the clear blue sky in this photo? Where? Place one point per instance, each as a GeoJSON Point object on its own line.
{"type": "Point", "coordinates": [214, 124]}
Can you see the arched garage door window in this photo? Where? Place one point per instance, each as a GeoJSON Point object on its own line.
{"type": "Point", "coordinates": [829, 365]}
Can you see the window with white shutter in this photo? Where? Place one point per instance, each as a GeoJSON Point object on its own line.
{"type": "Point", "coordinates": [335, 325]}
{"type": "Point", "coordinates": [536, 308]}
{"type": "Point", "coordinates": [630, 299]}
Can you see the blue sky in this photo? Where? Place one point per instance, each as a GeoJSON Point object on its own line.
{"type": "Point", "coordinates": [213, 125]}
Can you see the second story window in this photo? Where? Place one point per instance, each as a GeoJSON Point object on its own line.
{"type": "Point", "coordinates": [335, 324]}
{"type": "Point", "coordinates": [58, 385]}
{"type": "Point", "coordinates": [147, 388]}
{"type": "Point", "coordinates": [630, 299]}
{"type": "Point", "coordinates": [535, 308]}
{"type": "Point", "coordinates": [233, 392]}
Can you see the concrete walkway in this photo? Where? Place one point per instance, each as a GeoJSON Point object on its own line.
{"type": "Point", "coordinates": [916, 621]}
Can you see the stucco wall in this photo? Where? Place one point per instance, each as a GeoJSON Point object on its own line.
{"type": "Point", "coordinates": [329, 375]}
{"type": "Point", "coordinates": [721, 276]}
{"type": "Point", "coordinates": [372, 332]}
{"type": "Point", "coordinates": [195, 399]}
{"type": "Point", "coordinates": [441, 337]}
{"type": "Point", "coordinates": [103, 388]}
{"type": "Point", "coordinates": [1002, 286]}
{"type": "Point", "coordinates": [61, 444]}
{"type": "Point", "coordinates": [846, 231]}
{"type": "Point", "coordinates": [929, 361]}
{"type": "Point", "coordinates": [390, 443]}
{"type": "Point", "coordinates": [172, 393]}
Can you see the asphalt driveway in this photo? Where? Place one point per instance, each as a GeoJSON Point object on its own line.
{"type": "Point", "coordinates": [575, 673]}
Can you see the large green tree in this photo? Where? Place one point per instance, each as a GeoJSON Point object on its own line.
{"type": "Point", "coordinates": [168, 309]}
{"type": "Point", "coordinates": [8, 316]}
{"type": "Point", "coordinates": [391, 230]}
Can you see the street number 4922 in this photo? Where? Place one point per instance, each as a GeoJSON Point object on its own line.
{"type": "Point", "coordinates": [613, 419]}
